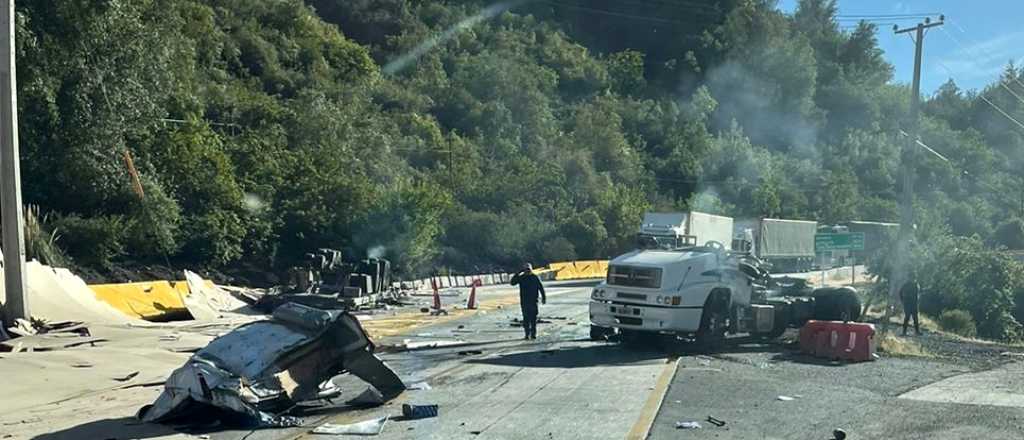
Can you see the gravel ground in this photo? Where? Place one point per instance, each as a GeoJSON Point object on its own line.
{"type": "Point", "coordinates": [742, 384]}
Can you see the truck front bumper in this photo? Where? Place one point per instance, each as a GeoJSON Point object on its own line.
{"type": "Point", "coordinates": [645, 318]}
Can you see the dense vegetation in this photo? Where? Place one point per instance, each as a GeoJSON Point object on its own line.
{"type": "Point", "coordinates": [463, 135]}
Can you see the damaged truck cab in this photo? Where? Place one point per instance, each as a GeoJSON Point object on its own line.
{"type": "Point", "coordinates": [670, 287]}
{"type": "Point", "coordinates": [694, 292]}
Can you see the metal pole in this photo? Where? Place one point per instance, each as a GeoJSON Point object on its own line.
{"type": "Point", "coordinates": [899, 269]}
{"type": "Point", "coordinates": [16, 302]}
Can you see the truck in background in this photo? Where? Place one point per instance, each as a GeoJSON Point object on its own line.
{"type": "Point", "coordinates": [672, 230]}
{"type": "Point", "coordinates": [784, 245]}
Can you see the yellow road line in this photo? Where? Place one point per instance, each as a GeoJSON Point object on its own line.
{"type": "Point", "coordinates": [642, 427]}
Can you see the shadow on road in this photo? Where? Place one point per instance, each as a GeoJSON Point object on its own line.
{"type": "Point", "coordinates": [574, 357]}
{"type": "Point", "coordinates": [124, 427]}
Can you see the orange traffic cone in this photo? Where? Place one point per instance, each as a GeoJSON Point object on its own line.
{"type": "Point", "coordinates": [471, 304]}
{"type": "Point", "coordinates": [437, 296]}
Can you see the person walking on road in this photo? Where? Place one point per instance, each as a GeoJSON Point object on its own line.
{"type": "Point", "coordinates": [909, 294]}
{"type": "Point", "coordinates": [529, 288]}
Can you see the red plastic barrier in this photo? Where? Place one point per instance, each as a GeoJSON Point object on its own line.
{"type": "Point", "coordinates": [807, 335]}
{"type": "Point", "coordinates": [856, 343]}
{"type": "Point", "coordinates": [851, 341]}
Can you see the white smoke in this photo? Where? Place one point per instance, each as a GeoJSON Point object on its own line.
{"type": "Point", "coordinates": [252, 203]}
{"type": "Point", "coordinates": [376, 252]}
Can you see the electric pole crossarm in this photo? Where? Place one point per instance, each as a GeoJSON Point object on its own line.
{"type": "Point", "coordinates": [922, 26]}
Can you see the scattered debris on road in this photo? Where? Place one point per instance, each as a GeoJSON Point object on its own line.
{"type": "Point", "coordinates": [470, 352]}
{"type": "Point", "coordinates": [368, 398]}
{"type": "Point", "coordinates": [263, 368]}
{"type": "Point", "coordinates": [366, 427]}
{"type": "Point", "coordinates": [414, 412]}
{"type": "Point", "coordinates": [785, 398]}
{"type": "Point", "coordinates": [838, 434]}
{"type": "Point", "coordinates": [419, 386]}
{"type": "Point", "coordinates": [716, 422]}
{"type": "Point", "coordinates": [688, 425]}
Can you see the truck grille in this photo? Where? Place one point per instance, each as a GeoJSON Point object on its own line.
{"type": "Point", "coordinates": [629, 321]}
{"type": "Point", "coordinates": [633, 296]}
{"type": "Point", "coordinates": [648, 277]}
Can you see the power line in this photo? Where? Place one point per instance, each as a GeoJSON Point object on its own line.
{"type": "Point", "coordinates": [908, 16]}
{"type": "Point", "coordinates": [965, 48]}
{"type": "Point", "coordinates": [983, 98]}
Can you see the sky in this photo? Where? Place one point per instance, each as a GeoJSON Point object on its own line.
{"type": "Point", "coordinates": [975, 45]}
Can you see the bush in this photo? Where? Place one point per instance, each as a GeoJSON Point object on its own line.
{"type": "Point", "coordinates": [959, 322]}
{"type": "Point", "coordinates": [153, 225]}
{"type": "Point", "coordinates": [215, 237]}
{"type": "Point", "coordinates": [41, 239]}
{"type": "Point", "coordinates": [92, 241]}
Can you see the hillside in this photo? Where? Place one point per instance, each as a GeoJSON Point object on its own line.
{"type": "Point", "coordinates": [466, 135]}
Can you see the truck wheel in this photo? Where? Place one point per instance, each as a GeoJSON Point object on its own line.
{"type": "Point", "coordinates": [836, 304]}
{"type": "Point", "coordinates": [598, 333]}
{"type": "Point", "coordinates": [714, 322]}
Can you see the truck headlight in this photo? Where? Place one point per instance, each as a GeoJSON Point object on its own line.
{"type": "Point", "coordinates": [660, 299]}
{"type": "Point", "coordinates": [676, 300]}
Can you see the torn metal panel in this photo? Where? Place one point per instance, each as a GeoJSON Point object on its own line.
{"type": "Point", "coordinates": [264, 368]}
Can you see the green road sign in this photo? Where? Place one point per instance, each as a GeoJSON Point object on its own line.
{"type": "Point", "coordinates": [853, 241]}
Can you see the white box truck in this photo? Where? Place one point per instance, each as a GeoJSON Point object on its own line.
{"type": "Point", "coordinates": [670, 230]}
{"type": "Point", "coordinates": [786, 245]}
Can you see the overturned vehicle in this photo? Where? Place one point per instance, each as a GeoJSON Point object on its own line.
{"type": "Point", "coordinates": [263, 369]}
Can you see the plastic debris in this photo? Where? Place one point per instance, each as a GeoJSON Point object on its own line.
{"type": "Point", "coordinates": [785, 398]}
{"type": "Point", "coordinates": [838, 434]}
{"type": "Point", "coordinates": [419, 386]}
{"type": "Point", "coordinates": [366, 427]}
{"type": "Point", "coordinates": [688, 425]}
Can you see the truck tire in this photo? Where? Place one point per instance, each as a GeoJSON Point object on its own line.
{"type": "Point", "coordinates": [714, 322]}
{"type": "Point", "coordinates": [598, 333]}
{"type": "Point", "coordinates": [836, 304]}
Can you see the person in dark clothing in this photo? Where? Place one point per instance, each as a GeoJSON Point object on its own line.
{"type": "Point", "coordinates": [529, 288]}
{"type": "Point", "coordinates": [909, 294]}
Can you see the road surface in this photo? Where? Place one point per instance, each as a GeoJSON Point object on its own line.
{"type": "Point", "coordinates": [563, 386]}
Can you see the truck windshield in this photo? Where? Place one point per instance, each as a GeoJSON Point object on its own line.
{"type": "Point", "coordinates": [666, 242]}
{"type": "Point", "coordinates": [647, 277]}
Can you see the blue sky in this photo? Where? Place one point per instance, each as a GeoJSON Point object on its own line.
{"type": "Point", "coordinates": [990, 34]}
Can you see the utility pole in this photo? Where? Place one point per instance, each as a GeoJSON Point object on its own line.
{"type": "Point", "coordinates": [899, 269]}
{"type": "Point", "coordinates": [16, 301]}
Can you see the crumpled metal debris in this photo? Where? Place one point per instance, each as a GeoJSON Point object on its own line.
{"type": "Point", "coordinates": [264, 368]}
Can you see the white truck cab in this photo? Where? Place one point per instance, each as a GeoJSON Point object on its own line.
{"type": "Point", "coordinates": [667, 291]}
{"type": "Point", "coordinates": [672, 286]}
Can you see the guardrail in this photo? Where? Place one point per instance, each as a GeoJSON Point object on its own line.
{"type": "Point", "coordinates": [560, 271]}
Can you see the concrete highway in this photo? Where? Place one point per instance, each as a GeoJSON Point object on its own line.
{"type": "Point", "coordinates": [564, 386]}
{"type": "Point", "coordinates": [495, 385]}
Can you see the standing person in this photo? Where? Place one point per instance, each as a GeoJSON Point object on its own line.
{"type": "Point", "coordinates": [909, 294]}
{"type": "Point", "coordinates": [529, 286]}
